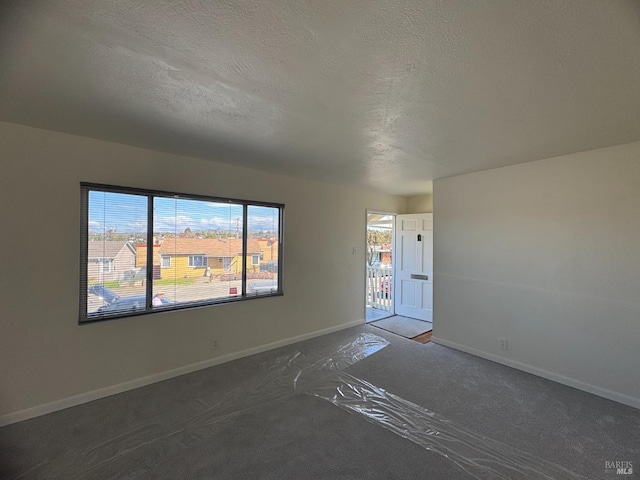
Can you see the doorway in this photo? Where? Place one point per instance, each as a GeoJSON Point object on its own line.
{"type": "Point", "coordinates": [379, 266]}
{"type": "Point", "coordinates": [399, 279]}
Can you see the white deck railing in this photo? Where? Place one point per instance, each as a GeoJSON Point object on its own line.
{"type": "Point", "coordinates": [379, 288]}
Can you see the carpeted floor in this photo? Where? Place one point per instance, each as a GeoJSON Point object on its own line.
{"type": "Point", "coordinates": [242, 420]}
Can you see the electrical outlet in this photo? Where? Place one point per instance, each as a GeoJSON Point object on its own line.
{"type": "Point", "coordinates": [214, 344]}
{"type": "Point", "coordinates": [504, 344]}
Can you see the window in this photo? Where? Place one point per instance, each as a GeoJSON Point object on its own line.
{"type": "Point", "coordinates": [197, 261]}
{"type": "Point", "coordinates": [226, 263]}
{"type": "Point", "coordinates": [188, 250]}
{"type": "Point", "coordinates": [264, 243]}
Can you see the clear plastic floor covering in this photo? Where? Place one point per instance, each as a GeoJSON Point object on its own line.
{"type": "Point", "coordinates": [322, 375]}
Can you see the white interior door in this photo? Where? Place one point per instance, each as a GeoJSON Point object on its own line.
{"type": "Point", "coordinates": [413, 271]}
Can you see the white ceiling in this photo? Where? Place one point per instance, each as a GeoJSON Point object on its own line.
{"type": "Point", "coordinates": [388, 94]}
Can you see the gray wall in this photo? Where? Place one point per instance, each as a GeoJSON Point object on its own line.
{"type": "Point", "coordinates": [46, 357]}
{"type": "Point", "coordinates": [546, 255]}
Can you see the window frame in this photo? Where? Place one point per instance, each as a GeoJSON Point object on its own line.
{"type": "Point", "coordinates": [226, 263]}
{"type": "Point", "coordinates": [254, 263]}
{"type": "Point", "coordinates": [203, 260]}
{"type": "Point", "coordinates": [86, 187]}
{"type": "Point", "coordinates": [106, 265]}
{"type": "Point", "coordinates": [163, 258]}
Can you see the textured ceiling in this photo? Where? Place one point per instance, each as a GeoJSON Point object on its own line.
{"type": "Point", "coordinates": [389, 94]}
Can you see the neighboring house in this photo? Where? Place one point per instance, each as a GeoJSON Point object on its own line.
{"type": "Point", "coordinates": [141, 260]}
{"type": "Point", "coordinates": [269, 249]}
{"type": "Point", "coordinates": [379, 255]}
{"type": "Point", "coordinates": [110, 260]}
{"type": "Point", "coordinates": [190, 257]}
{"type": "Point", "coordinates": [385, 254]}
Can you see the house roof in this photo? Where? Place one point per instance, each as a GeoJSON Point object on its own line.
{"type": "Point", "coordinates": [210, 247]}
{"type": "Point", "coordinates": [106, 248]}
{"type": "Point", "coordinates": [268, 241]}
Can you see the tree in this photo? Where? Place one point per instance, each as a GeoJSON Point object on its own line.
{"type": "Point", "coordinates": [112, 234]}
{"type": "Point", "coordinates": [376, 241]}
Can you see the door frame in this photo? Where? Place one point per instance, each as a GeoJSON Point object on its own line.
{"type": "Point", "coordinates": [368, 212]}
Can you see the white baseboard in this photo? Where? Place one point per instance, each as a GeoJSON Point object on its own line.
{"type": "Point", "coordinates": [586, 387]}
{"type": "Point", "coordinates": [158, 377]}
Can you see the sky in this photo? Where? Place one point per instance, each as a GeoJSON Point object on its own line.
{"type": "Point", "coordinates": [127, 213]}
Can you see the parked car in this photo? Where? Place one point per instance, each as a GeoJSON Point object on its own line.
{"type": "Point", "coordinates": [271, 267]}
{"type": "Point", "coordinates": [379, 264]}
{"type": "Point", "coordinates": [385, 287]}
{"type": "Point", "coordinates": [106, 295]}
{"type": "Point", "coordinates": [129, 304]}
{"type": "Point", "coordinates": [262, 287]}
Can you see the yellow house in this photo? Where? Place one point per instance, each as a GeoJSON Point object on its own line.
{"type": "Point", "coordinates": [197, 257]}
{"type": "Point", "coordinates": [269, 249]}
{"type": "Point", "coordinates": [141, 258]}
